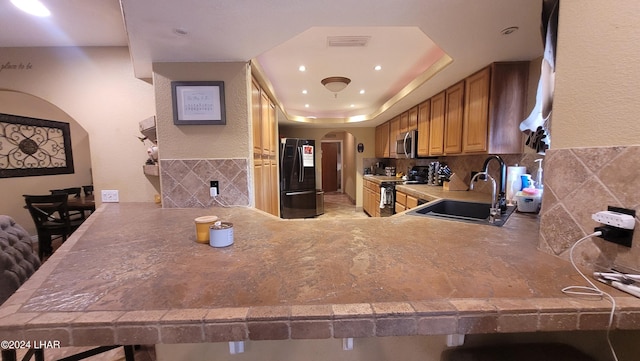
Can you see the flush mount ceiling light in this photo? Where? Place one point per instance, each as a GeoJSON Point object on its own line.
{"type": "Point", "coordinates": [33, 7]}
{"type": "Point", "coordinates": [335, 83]}
{"type": "Point", "coordinates": [509, 30]}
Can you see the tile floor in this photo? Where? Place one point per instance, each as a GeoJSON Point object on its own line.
{"type": "Point", "coordinates": [338, 205]}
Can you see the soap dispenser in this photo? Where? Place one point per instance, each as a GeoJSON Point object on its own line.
{"type": "Point", "coordinates": [539, 183]}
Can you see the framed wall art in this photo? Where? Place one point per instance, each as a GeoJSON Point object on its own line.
{"type": "Point", "coordinates": [34, 147]}
{"type": "Point", "coordinates": [198, 102]}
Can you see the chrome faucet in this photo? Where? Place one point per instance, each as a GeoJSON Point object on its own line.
{"type": "Point", "coordinates": [502, 198]}
{"type": "Point", "coordinates": [494, 211]}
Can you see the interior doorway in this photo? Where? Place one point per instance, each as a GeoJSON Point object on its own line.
{"type": "Point", "coordinates": [332, 166]}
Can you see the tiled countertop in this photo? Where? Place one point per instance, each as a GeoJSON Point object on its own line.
{"type": "Point", "coordinates": [133, 274]}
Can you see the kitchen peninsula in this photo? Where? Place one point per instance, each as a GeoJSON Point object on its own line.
{"type": "Point", "coordinates": [133, 274]}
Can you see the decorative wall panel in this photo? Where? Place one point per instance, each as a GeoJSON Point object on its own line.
{"type": "Point", "coordinates": [34, 147]}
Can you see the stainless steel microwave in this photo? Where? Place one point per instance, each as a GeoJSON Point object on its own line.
{"type": "Point", "coordinates": [407, 145]}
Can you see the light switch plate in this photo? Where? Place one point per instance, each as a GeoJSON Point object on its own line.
{"type": "Point", "coordinates": [110, 196]}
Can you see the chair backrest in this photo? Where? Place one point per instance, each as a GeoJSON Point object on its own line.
{"type": "Point", "coordinates": [88, 190]}
{"type": "Point", "coordinates": [17, 259]}
{"type": "Point", "coordinates": [74, 191]}
{"type": "Point", "coordinates": [47, 210]}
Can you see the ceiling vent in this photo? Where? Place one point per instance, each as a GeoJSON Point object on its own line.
{"type": "Point", "coordinates": [347, 41]}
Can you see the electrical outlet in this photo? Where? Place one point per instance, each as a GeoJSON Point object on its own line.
{"type": "Point", "coordinates": [613, 221]}
{"type": "Point", "coordinates": [110, 196]}
{"type": "Point", "coordinates": [214, 190]}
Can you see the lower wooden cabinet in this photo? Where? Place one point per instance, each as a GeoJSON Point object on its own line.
{"type": "Point", "coordinates": [405, 202]}
{"type": "Point", "coordinates": [371, 198]}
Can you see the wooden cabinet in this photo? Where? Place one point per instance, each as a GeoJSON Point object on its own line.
{"type": "Point", "coordinates": [265, 151]}
{"type": "Point", "coordinates": [424, 112]}
{"type": "Point", "coordinates": [436, 125]}
{"type": "Point", "coordinates": [480, 114]}
{"type": "Point", "coordinates": [405, 202]}
{"type": "Point", "coordinates": [394, 130]}
{"type": "Point", "coordinates": [494, 106]}
{"type": "Point", "coordinates": [404, 122]}
{"type": "Point", "coordinates": [382, 140]}
{"type": "Point", "coordinates": [454, 115]}
{"type": "Point", "coordinates": [413, 119]}
{"type": "Point", "coordinates": [371, 198]}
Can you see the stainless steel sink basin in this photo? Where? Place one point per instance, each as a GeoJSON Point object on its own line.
{"type": "Point", "coordinates": [472, 212]}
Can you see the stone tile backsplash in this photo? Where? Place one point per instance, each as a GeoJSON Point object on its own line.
{"type": "Point", "coordinates": [582, 181]}
{"type": "Point", "coordinates": [185, 182]}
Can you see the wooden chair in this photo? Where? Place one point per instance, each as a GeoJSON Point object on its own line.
{"type": "Point", "coordinates": [17, 263]}
{"type": "Point", "coordinates": [50, 214]}
{"type": "Point", "coordinates": [75, 192]}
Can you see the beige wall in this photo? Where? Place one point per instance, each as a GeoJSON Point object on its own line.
{"type": "Point", "coordinates": [204, 141]}
{"type": "Point", "coordinates": [96, 88]}
{"type": "Point", "coordinates": [12, 189]}
{"type": "Point", "coordinates": [597, 75]}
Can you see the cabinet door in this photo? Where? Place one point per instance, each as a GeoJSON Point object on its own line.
{"type": "Point", "coordinates": [412, 202]}
{"type": "Point", "coordinates": [454, 115]}
{"type": "Point", "coordinates": [394, 130]}
{"type": "Point", "coordinates": [255, 118]}
{"type": "Point", "coordinates": [259, 180]}
{"type": "Point", "coordinates": [382, 140]}
{"type": "Point", "coordinates": [436, 125]}
{"type": "Point", "coordinates": [413, 118]}
{"type": "Point", "coordinates": [476, 112]}
{"type": "Point", "coordinates": [424, 111]}
{"type": "Point", "coordinates": [266, 131]}
{"type": "Point", "coordinates": [404, 122]}
{"type": "Point", "coordinates": [401, 198]}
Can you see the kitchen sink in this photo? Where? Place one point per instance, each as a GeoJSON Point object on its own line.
{"type": "Point", "coordinates": [473, 212]}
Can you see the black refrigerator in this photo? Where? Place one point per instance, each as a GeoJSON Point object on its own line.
{"type": "Point", "coordinates": [297, 178]}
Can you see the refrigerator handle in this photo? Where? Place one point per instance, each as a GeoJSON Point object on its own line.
{"type": "Point", "coordinates": [299, 193]}
{"type": "Point", "coordinates": [301, 173]}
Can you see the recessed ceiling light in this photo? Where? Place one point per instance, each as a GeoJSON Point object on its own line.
{"type": "Point", "coordinates": [352, 105]}
{"type": "Point", "coordinates": [33, 7]}
{"type": "Point", "coordinates": [378, 67]}
{"type": "Point", "coordinates": [180, 31]}
{"type": "Point", "coordinates": [304, 91]}
{"type": "Point", "coordinates": [306, 105]}
{"type": "Point", "coordinates": [362, 91]}
{"type": "Point", "coordinates": [302, 68]}
{"type": "Point", "coordinates": [509, 30]}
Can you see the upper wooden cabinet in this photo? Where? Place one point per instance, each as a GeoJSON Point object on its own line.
{"type": "Point", "coordinates": [413, 119]}
{"type": "Point", "coordinates": [454, 114]}
{"type": "Point", "coordinates": [436, 125]}
{"type": "Point", "coordinates": [382, 140]}
{"type": "Point", "coordinates": [480, 114]}
{"type": "Point", "coordinates": [494, 106]}
{"type": "Point", "coordinates": [394, 130]}
{"type": "Point", "coordinates": [404, 122]}
{"type": "Point", "coordinates": [424, 112]}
